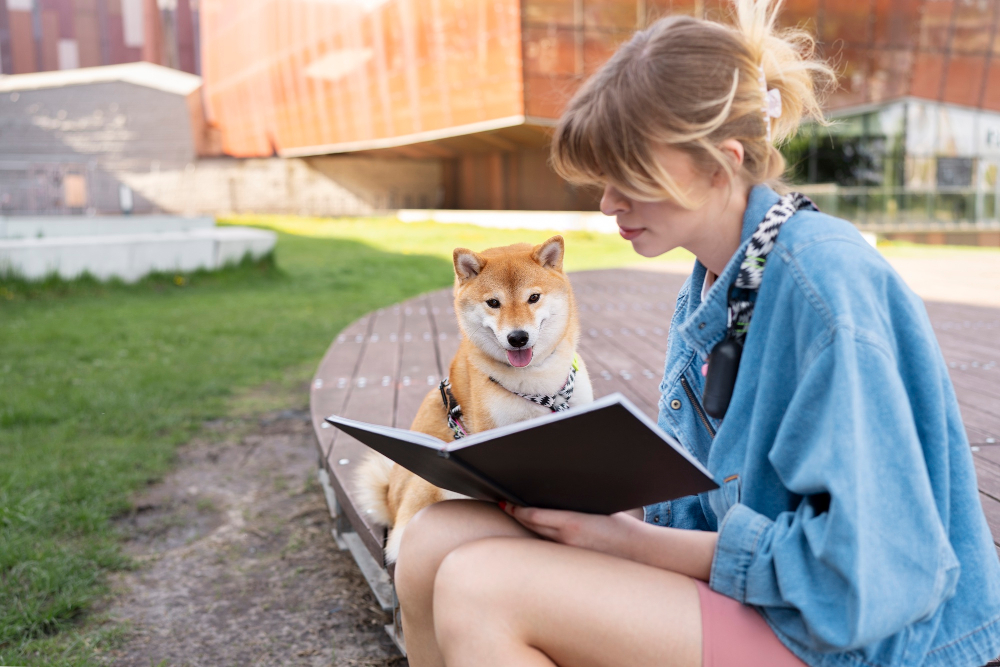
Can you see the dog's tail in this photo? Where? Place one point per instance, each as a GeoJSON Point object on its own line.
{"type": "Point", "coordinates": [373, 488]}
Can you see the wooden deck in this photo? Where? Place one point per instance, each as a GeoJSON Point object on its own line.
{"type": "Point", "coordinates": [379, 369]}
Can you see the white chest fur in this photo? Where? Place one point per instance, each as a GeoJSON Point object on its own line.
{"type": "Point", "coordinates": [507, 408]}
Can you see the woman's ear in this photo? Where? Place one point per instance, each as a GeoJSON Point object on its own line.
{"type": "Point", "coordinates": [733, 152]}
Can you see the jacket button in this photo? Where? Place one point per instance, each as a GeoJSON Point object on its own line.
{"type": "Point", "coordinates": [701, 326]}
{"type": "Point", "coordinates": [656, 519]}
{"type": "Point", "coordinates": [675, 404]}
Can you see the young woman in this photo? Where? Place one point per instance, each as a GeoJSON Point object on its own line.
{"type": "Point", "coordinates": [847, 530]}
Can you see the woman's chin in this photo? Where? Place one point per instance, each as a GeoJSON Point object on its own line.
{"type": "Point", "coordinates": [643, 247]}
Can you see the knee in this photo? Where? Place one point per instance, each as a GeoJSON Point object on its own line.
{"type": "Point", "coordinates": [465, 590]}
{"type": "Point", "coordinates": [424, 544]}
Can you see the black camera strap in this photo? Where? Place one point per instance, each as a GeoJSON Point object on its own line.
{"type": "Point", "coordinates": [724, 359]}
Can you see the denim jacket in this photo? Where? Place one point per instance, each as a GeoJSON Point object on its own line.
{"type": "Point", "coordinates": [848, 512]}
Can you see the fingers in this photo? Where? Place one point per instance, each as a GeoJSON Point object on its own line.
{"type": "Point", "coordinates": [554, 525]}
{"type": "Point", "coordinates": [527, 517]}
{"type": "Point", "coordinates": [537, 516]}
{"type": "Point", "coordinates": [608, 534]}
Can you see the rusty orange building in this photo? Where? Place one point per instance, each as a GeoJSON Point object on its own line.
{"type": "Point", "coordinates": [478, 84]}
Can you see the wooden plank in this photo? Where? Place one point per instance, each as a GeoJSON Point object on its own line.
{"type": "Point", "coordinates": [616, 372]}
{"type": "Point", "coordinates": [442, 311]}
{"type": "Point", "coordinates": [632, 358]}
{"type": "Point", "coordinates": [962, 322]}
{"type": "Point", "coordinates": [650, 332]}
{"type": "Point", "coordinates": [370, 400]}
{"type": "Point", "coordinates": [961, 312]}
{"type": "Point", "coordinates": [956, 336]}
{"type": "Point", "coordinates": [651, 284]}
{"type": "Point", "coordinates": [988, 478]}
{"type": "Point", "coordinates": [991, 509]}
{"type": "Point", "coordinates": [645, 346]}
{"type": "Point", "coordinates": [988, 388]}
{"type": "Point", "coordinates": [333, 380]}
{"type": "Point", "coordinates": [989, 453]}
{"type": "Point", "coordinates": [351, 451]}
{"type": "Point", "coordinates": [418, 370]}
{"type": "Point", "coordinates": [981, 427]}
{"type": "Point", "coordinates": [969, 356]}
{"type": "Point", "coordinates": [979, 438]}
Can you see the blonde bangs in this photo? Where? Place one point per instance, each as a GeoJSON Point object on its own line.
{"type": "Point", "coordinates": [594, 145]}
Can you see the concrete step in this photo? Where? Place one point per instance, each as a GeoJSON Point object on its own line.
{"type": "Point", "coordinates": [48, 226]}
{"type": "Point", "coordinates": [132, 256]}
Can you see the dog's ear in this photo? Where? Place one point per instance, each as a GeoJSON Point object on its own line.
{"type": "Point", "coordinates": [467, 264]}
{"type": "Point", "coordinates": [550, 253]}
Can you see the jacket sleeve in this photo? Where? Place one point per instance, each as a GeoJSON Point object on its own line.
{"type": "Point", "coordinates": [867, 523]}
{"type": "Point", "coordinates": [690, 512]}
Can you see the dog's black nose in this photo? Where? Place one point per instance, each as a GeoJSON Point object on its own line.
{"type": "Point", "coordinates": [518, 338]}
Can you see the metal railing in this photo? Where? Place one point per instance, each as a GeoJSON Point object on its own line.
{"type": "Point", "coordinates": [897, 208]}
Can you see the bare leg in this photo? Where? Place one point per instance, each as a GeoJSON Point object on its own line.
{"type": "Point", "coordinates": [430, 536]}
{"type": "Point", "coordinates": [520, 602]}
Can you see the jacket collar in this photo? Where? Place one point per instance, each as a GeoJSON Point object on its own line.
{"type": "Point", "coordinates": [706, 322]}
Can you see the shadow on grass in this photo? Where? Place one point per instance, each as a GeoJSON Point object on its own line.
{"type": "Point", "coordinates": [100, 382]}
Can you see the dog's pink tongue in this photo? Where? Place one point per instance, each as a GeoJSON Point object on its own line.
{"type": "Point", "coordinates": [519, 358]}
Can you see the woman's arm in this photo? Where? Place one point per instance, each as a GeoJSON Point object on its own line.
{"type": "Point", "coordinates": [865, 552]}
{"type": "Point", "coordinates": [687, 552]}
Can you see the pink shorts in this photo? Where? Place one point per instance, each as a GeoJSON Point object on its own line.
{"type": "Point", "coordinates": [735, 635]}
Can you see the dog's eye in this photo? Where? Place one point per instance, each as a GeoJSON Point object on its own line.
{"type": "Point", "coordinates": [492, 303]}
{"type": "Point", "coordinates": [534, 298]}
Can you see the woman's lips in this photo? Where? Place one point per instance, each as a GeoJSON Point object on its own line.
{"type": "Point", "coordinates": [629, 234]}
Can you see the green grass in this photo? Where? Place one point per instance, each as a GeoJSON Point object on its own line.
{"type": "Point", "coordinates": [584, 250]}
{"type": "Point", "coordinates": [99, 383]}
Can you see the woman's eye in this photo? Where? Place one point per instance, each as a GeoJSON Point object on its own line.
{"type": "Point", "coordinates": [534, 298]}
{"type": "Point", "coordinates": [492, 303]}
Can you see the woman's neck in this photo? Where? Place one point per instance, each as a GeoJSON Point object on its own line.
{"type": "Point", "coordinates": [721, 234]}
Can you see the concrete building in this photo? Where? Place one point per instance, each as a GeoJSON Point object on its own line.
{"type": "Point", "coordinates": [912, 168]}
{"type": "Point", "coordinates": [134, 138]}
{"type": "Point", "coordinates": [67, 137]}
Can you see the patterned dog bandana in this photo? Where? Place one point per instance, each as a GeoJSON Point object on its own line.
{"type": "Point", "coordinates": [557, 402]}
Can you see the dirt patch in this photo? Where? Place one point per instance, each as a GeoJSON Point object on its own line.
{"type": "Point", "coordinates": [237, 563]}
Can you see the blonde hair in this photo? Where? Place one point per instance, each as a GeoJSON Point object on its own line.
{"type": "Point", "coordinates": [691, 84]}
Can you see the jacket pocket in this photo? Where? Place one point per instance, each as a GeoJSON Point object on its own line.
{"type": "Point", "coordinates": [732, 487]}
{"type": "Point", "coordinates": [727, 495]}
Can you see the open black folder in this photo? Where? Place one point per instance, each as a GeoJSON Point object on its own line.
{"type": "Point", "coordinates": [600, 458]}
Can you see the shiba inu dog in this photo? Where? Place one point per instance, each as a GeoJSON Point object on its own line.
{"type": "Point", "coordinates": [517, 360]}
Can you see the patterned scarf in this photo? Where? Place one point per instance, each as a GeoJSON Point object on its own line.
{"type": "Point", "coordinates": [743, 292]}
{"type": "Point", "coordinates": [557, 402]}
{"type": "Point", "coordinates": [454, 410]}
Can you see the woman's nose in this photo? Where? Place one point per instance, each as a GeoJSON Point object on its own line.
{"type": "Point", "coordinates": [613, 202]}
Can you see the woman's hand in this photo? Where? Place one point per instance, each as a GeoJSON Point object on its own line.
{"type": "Point", "coordinates": [607, 534]}
{"type": "Point", "coordinates": [689, 552]}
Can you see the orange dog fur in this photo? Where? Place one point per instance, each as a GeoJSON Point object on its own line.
{"type": "Point", "coordinates": [496, 305]}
